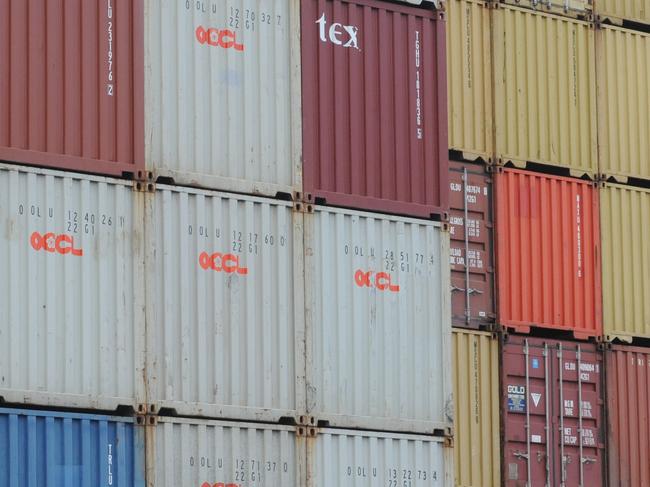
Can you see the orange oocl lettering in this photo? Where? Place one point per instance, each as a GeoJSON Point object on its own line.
{"type": "Point", "coordinates": [218, 262]}
{"type": "Point", "coordinates": [50, 242]}
{"type": "Point", "coordinates": [224, 38]}
{"type": "Point", "coordinates": [363, 278]}
{"type": "Point", "coordinates": [381, 281]}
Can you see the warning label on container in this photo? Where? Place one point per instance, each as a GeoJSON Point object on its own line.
{"type": "Point", "coordinates": [516, 399]}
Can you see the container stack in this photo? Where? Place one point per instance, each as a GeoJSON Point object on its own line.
{"type": "Point", "coordinates": [225, 250]}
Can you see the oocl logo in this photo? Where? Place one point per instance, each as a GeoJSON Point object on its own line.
{"type": "Point", "coordinates": [378, 280]}
{"type": "Point", "coordinates": [228, 263]}
{"type": "Point", "coordinates": [50, 242]}
{"type": "Point", "coordinates": [223, 38]}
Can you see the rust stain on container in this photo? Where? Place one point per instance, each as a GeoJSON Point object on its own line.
{"type": "Point", "coordinates": [72, 86]}
{"type": "Point", "coordinates": [547, 253]}
{"type": "Point", "coordinates": [374, 106]}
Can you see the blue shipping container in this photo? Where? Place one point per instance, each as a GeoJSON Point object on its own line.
{"type": "Point", "coordinates": [52, 449]}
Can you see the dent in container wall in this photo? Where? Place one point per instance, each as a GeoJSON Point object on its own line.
{"type": "Point", "coordinates": [378, 324]}
{"type": "Point", "coordinates": [71, 104]}
{"type": "Point", "coordinates": [225, 305]}
{"type": "Point", "coordinates": [40, 447]}
{"type": "Point", "coordinates": [553, 419]}
{"type": "Point", "coordinates": [374, 106]}
{"type": "Point", "coordinates": [71, 290]}
{"type": "Point", "coordinates": [223, 94]}
{"type": "Point", "coordinates": [471, 248]}
{"type": "Point", "coordinates": [547, 253]}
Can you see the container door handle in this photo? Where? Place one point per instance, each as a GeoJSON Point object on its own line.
{"type": "Point", "coordinates": [587, 460]}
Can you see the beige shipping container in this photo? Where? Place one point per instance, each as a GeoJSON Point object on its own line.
{"type": "Point", "coordinates": [620, 10]}
{"type": "Point", "coordinates": [545, 90]}
{"type": "Point", "coordinates": [469, 80]}
{"type": "Point", "coordinates": [625, 213]}
{"type": "Point", "coordinates": [477, 445]}
{"type": "Point", "coordinates": [623, 103]}
{"type": "Point", "coordinates": [579, 9]}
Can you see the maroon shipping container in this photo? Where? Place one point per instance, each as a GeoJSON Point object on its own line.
{"type": "Point", "coordinates": [374, 106]}
{"type": "Point", "coordinates": [628, 415]}
{"type": "Point", "coordinates": [471, 255]}
{"type": "Point", "coordinates": [552, 413]}
{"type": "Point", "coordinates": [73, 94]}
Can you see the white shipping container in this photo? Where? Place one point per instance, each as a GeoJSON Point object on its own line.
{"type": "Point", "coordinates": [222, 93]}
{"type": "Point", "coordinates": [378, 326]}
{"type": "Point", "coordinates": [71, 290]}
{"type": "Point", "coordinates": [195, 453]}
{"type": "Point", "coordinates": [225, 328]}
{"type": "Point", "coordinates": [346, 458]}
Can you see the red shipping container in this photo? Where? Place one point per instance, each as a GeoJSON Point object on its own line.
{"type": "Point", "coordinates": [547, 253]}
{"type": "Point", "coordinates": [471, 247]}
{"type": "Point", "coordinates": [552, 413]}
{"type": "Point", "coordinates": [374, 106]}
{"type": "Point", "coordinates": [628, 415]}
{"type": "Point", "coordinates": [73, 94]}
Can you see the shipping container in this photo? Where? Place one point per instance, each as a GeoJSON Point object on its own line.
{"type": "Point", "coordinates": [374, 106]}
{"type": "Point", "coordinates": [225, 334]}
{"type": "Point", "coordinates": [621, 11]}
{"type": "Point", "coordinates": [378, 324]}
{"type": "Point", "coordinates": [471, 252]}
{"type": "Point", "coordinates": [469, 80]}
{"type": "Point", "coordinates": [625, 213]}
{"type": "Point", "coordinates": [71, 290]}
{"type": "Point", "coordinates": [545, 91]}
{"type": "Point", "coordinates": [547, 253]}
{"type": "Point", "coordinates": [223, 94]}
{"type": "Point", "coordinates": [628, 415]}
{"type": "Point", "coordinates": [352, 458]}
{"type": "Point", "coordinates": [198, 453]}
{"type": "Point", "coordinates": [71, 85]}
{"type": "Point", "coordinates": [580, 9]}
{"type": "Point", "coordinates": [46, 448]}
{"type": "Point", "coordinates": [623, 103]}
{"type": "Point", "coordinates": [477, 440]}
{"type": "Point", "coordinates": [552, 401]}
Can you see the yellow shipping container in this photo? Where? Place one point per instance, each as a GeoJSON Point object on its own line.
{"type": "Point", "coordinates": [581, 9]}
{"type": "Point", "coordinates": [469, 79]}
{"type": "Point", "coordinates": [625, 231]}
{"type": "Point", "coordinates": [623, 81]}
{"type": "Point", "coordinates": [477, 444]}
{"type": "Point", "coordinates": [545, 90]}
{"type": "Point", "coordinates": [619, 10]}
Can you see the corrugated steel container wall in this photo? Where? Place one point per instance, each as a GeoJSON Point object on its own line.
{"type": "Point", "coordinates": [628, 415]}
{"type": "Point", "coordinates": [625, 213]}
{"type": "Point", "coordinates": [223, 93]}
{"type": "Point", "coordinates": [548, 257]}
{"type": "Point", "coordinates": [71, 290]}
{"type": "Point", "coordinates": [623, 102]}
{"type": "Point", "coordinates": [545, 90]}
{"type": "Point", "coordinates": [71, 84]}
{"type": "Point", "coordinates": [76, 450]}
{"type": "Point", "coordinates": [378, 322]}
{"type": "Point", "coordinates": [471, 253]}
{"type": "Point", "coordinates": [225, 307]}
{"type": "Point", "coordinates": [361, 458]}
{"type": "Point", "coordinates": [581, 9]}
{"type": "Point", "coordinates": [192, 452]}
{"type": "Point", "coordinates": [374, 106]}
{"type": "Point", "coordinates": [618, 10]}
{"type": "Point", "coordinates": [477, 441]}
{"type": "Point", "coordinates": [469, 79]}
{"type": "Point", "coordinates": [553, 419]}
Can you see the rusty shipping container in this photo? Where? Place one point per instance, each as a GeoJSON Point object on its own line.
{"type": "Point", "coordinates": [625, 213]}
{"type": "Point", "coordinates": [622, 11]}
{"type": "Point", "coordinates": [547, 253]}
{"type": "Point", "coordinates": [374, 106]}
{"type": "Point", "coordinates": [477, 440]}
{"type": "Point", "coordinates": [71, 84]}
{"type": "Point", "coordinates": [471, 247]}
{"type": "Point", "coordinates": [545, 97]}
{"type": "Point", "coordinates": [225, 330]}
{"type": "Point", "coordinates": [377, 321]}
{"type": "Point", "coordinates": [552, 402]}
{"type": "Point", "coordinates": [628, 415]}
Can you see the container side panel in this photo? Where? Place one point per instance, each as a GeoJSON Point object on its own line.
{"type": "Point", "coordinates": [618, 10]}
{"type": "Point", "coordinates": [571, 8]}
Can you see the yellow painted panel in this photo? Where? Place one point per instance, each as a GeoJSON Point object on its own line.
{"type": "Point", "coordinates": [469, 79]}
{"type": "Point", "coordinates": [570, 8]}
{"type": "Point", "coordinates": [545, 90]}
{"type": "Point", "coordinates": [477, 444]}
{"type": "Point", "coordinates": [625, 229]}
{"type": "Point", "coordinates": [635, 10]}
{"type": "Point", "coordinates": [623, 102]}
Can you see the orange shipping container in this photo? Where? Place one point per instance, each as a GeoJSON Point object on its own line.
{"type": "Point", "coordinates": [547, 252]}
